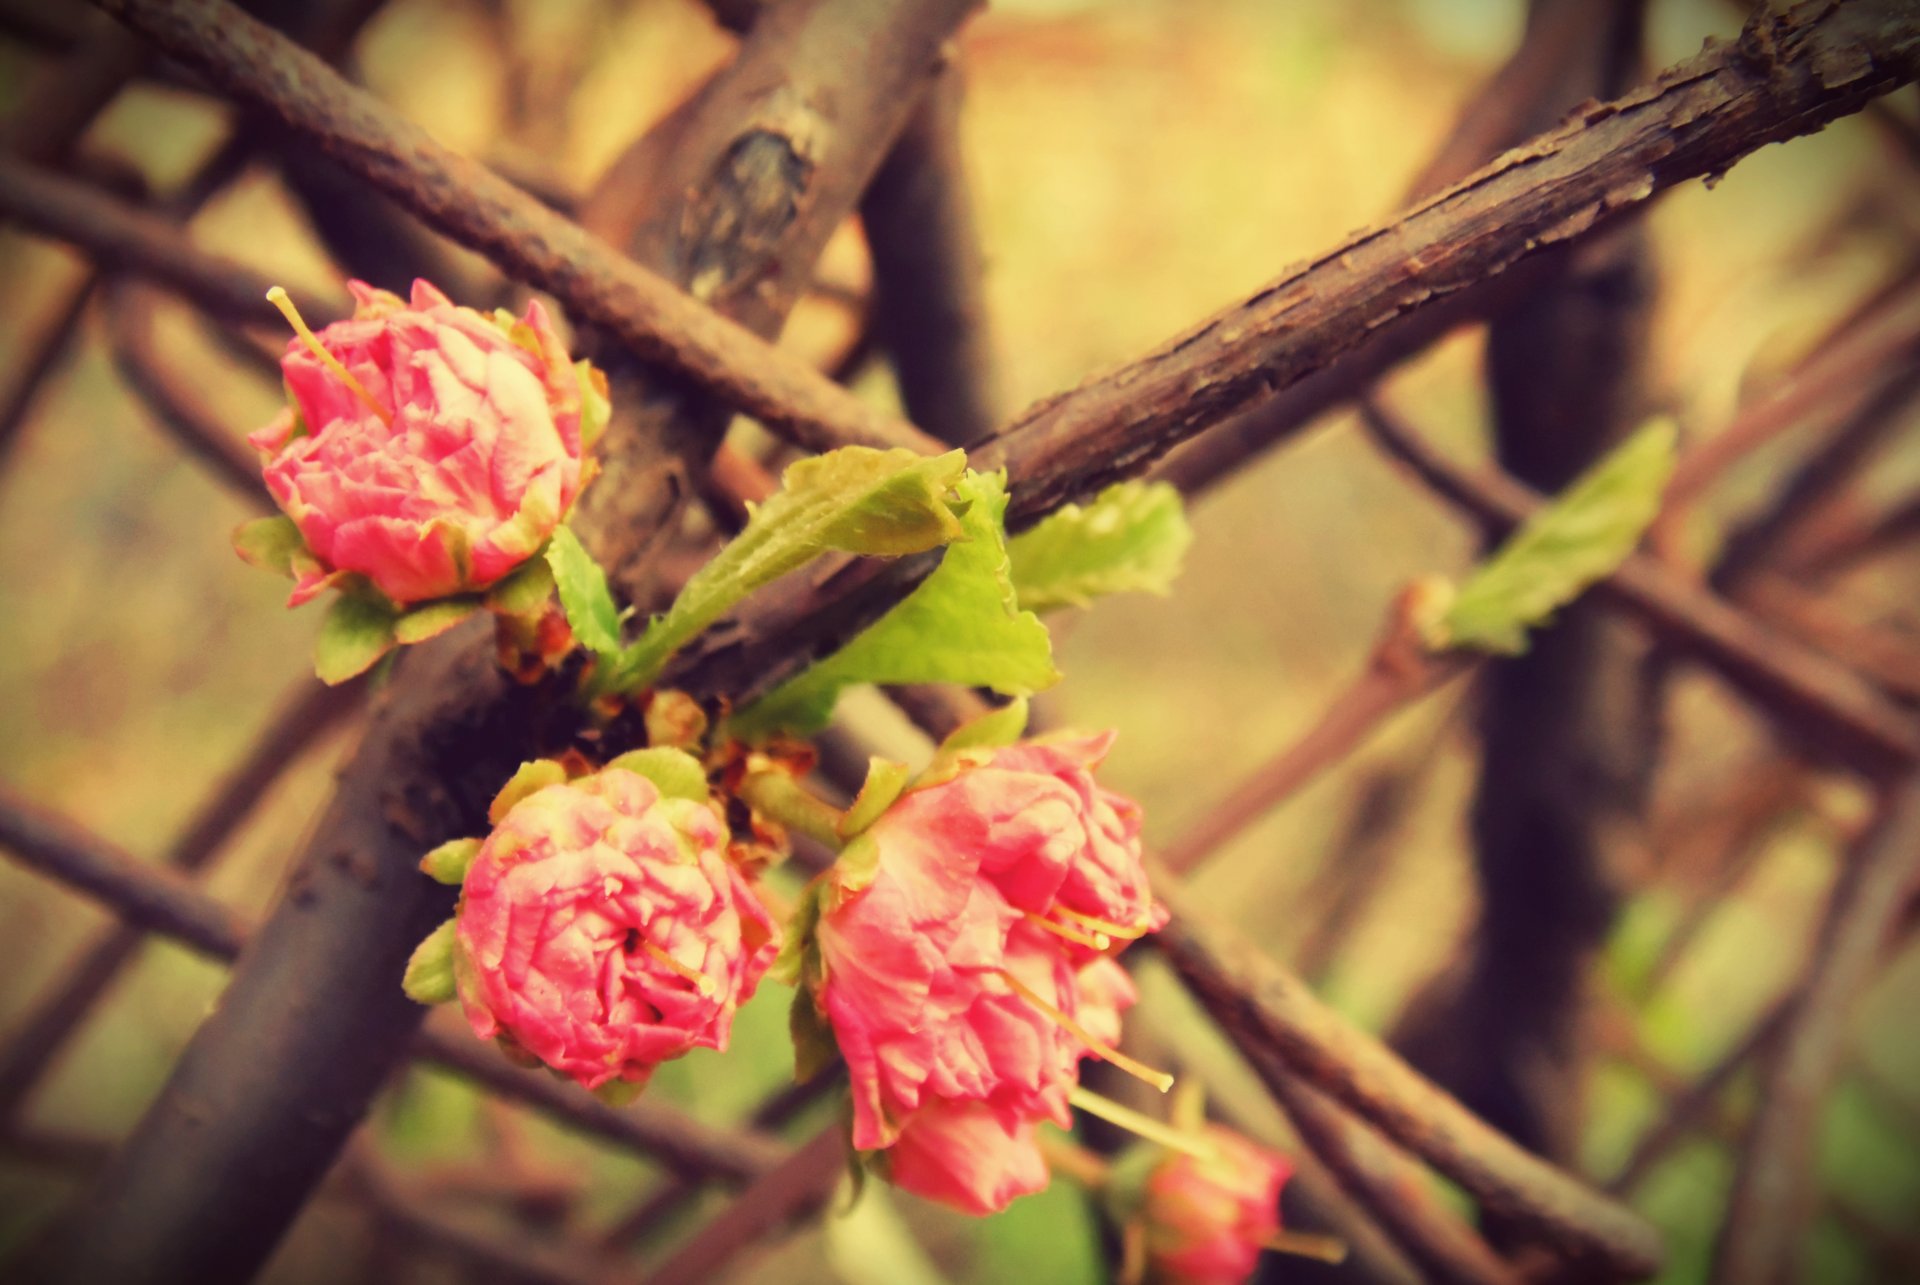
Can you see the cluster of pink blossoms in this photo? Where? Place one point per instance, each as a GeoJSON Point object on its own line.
{"type": "Point", "coordinates": [431, 450]}
{"type": "Point", "coordinates": [964, 978]}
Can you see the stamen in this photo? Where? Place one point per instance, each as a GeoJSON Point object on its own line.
{"type": "Point", "coordinates": [1139, 1070]}
{"type": "Point", "coordinates": [279, 298]}
{"type": "Point", "coordinates": [1098, 941]}
{"type": "Point", "coordinates": [701, 982]}
{"type": "Point", "coordinates": [1102, 925]}
{"type": "Point", "coordinates": [1324, 1249]}
{"type": "Point", "coordinates": [1145, 1126]}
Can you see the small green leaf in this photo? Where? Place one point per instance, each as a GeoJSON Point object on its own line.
{"type": "Point", "coordinates": [961, 625]}
{"type": "Point", "coordinates": [584, 595]}
{"type": "Point", "coordinates": [448, 863]}
{"type": "Point", "coordinates": [990, 731]}
{"type": "Point", "coordinates": [595, 408]}
{"type": "Point", "coordinates": [525, 592]}
{"type": "Point", "coordinates": [429, 975]}
{"type": "Point", "coordinates": [885, 781]}
{"type": "Point", "coordinates": [855, 500]}
{"type": "Point", "coordinates": [269, 543]}
{"type": "Point", "coordinates": [677, 773]}
{"type": "Point", "coordinates": [814, 1049]}
{"type": "Point", "coordinates": [433, 619]}
{"type": "Point", "coordinates": [529, 777]}
{"type": "Point", "coordinates": [356, 633]}
{"type": "Point", "coordinates": [1587, 531]}
{"type": "Point", "coordinates": [620, 1093]}
{"type": "Point", "coordinates": [798, 961]}
{"type": "Point", "coordinates": [1132, 538]}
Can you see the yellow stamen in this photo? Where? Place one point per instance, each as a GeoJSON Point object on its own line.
{"type": "Point", "coordinates": [701, 982]}
{"type": "Point", "coordinates": [1144, 1125]}
{"type": "Point", "coordinates": [1324, 1249]}
{"type": "Point", "coordinates": [1139, 1070]}
{"type": "Point", "coordinates": [279, 298]}
{"type": "Point", "coordinates": [1098, 941]}
{"type": "Point", "coordinates": [1102, 925]}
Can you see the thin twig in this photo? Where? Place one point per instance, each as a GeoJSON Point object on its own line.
{"type": "Point", "coordinates": [481, 210]}
{"type": "Point", "coordinates": [176, 407]}
{"type": "Point", "coordinates": [1399, 670]}
{"type": "Point", "coordinates": [40, 359]}
{"type": "Point", "coordinates": [1775, 1185]}
{"type": "Point", "coordinates": [163, 901]}
{"type": "Point", "coordinates": [1817, 694]}
{"type": "Point", "coordinates": [1262, 1006]}
{"type": "Point", "coordinates": [37, 1040]}
{"type": "Point", "coordinates": [800, 1187]}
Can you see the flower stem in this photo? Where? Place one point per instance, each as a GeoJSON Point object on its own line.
{"type": "Point", "coordinates": [779, 797]}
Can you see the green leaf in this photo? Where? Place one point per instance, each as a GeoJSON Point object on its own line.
{"type": "Point", "coordinates": [269, 543]}
{"type": "Point", "coordinates": [433, 619]}
{"type": "Point", "coordinates": [429, 975]}
{"type": "Point", "coordinates": [961, 625]}
{"type": "Point", "coordinates": [356, 633]}
{"type": "Point", "coordinates": [885, 781]}
{"type": "Point", "coordinates": [814, 1049]}
{"type": "Point", "coordinates": [595, 409]}
{"type": "Point", "coordinates": [1587, 531]}
{"type": "Point", "coordinates": [677, 773]}
{"type": "Point", "coordinates": [798, 961]}
{"type": "Point", "coordinates": [584, 596]}
{"type": "Point", "coordinates": [529, 777]}
{"type": "Point", "coordinates": [990, 731]}
{"type": "Point", "coordinates": [525, 592]}
{"type": "Point", "coordinates": [448, 863]}
{"type": "Point", "coordinates": [855, 500]}
{"type": "Point", "coordinates": [620, 1093]}
{"type": "Point", "coordinates": [1133, 538]}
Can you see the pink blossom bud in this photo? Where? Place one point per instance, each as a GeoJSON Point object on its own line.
{"type": "Point", "coordinates": [442, 463]}
{"type": "Point", "coordinates": [1207, 1220]}
{"type": "Point", "coordinates": [602, 929]}
{"type": "Point", "coordinates": [962, 1011]}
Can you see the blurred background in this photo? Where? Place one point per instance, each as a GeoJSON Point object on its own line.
{"type": "Point", "coordinates": [1135, 165]}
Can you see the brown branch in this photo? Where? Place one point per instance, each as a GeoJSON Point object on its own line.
{"type": "Point", "coordinates": [123, 238]}
{"type": "Point", "coordinates": [66, 97]}
{"type": "Point", "coordinates": [1786, 74]}
{"type": "Point", "coordinates": [161, 900]}
{"type": "Point", "coordinates": [928, 270]}
{"type": "Point", "coordinates": [38, 1039]}
{"type": "Point", "coordinates": [176, 407]}
{"type": "Point", "coordinates": [1399, 671]}
{"type": "Point", "coordinates": [801, 1186]}
{"type": "Point", "coordinates": [1819, 697]}
{"type": "Point", "coordinates": [1777, 1180]}
{"type": "Point", "coordinates": [1384, 1181]}
{"type": "Point", "coordinates": [479, 209]}
{"type": "Point", "coordinates": [1832, 381]}
{"type": "Point", "coordinates": [1263, 1007]}
{"type": "Point", "coordinates": [41, 357]}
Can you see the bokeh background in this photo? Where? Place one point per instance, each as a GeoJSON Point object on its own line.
{"type": "Point", "coordinates": [1136, 165]}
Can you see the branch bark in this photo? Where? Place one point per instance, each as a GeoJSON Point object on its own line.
{"type": "Point", "coordinates": [1778, 1180]}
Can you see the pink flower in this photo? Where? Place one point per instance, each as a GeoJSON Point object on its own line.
{"type": "Point", "coordinates": [452, 470]}
{"type": "Point", "coordinates": [1207, 1220]}
{"type": "Point", "coordinates": [602, 930]}
{"type": "Point", "coordinates": [951, 993]}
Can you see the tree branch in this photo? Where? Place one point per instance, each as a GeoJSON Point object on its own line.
{"type": "Point", "coordinates": [476, 207]}
{"type": "Point", "coordinates": [1823, 699]}
{"type": "Point", "coordinates": [1778, 1178]}
{"type": "Point", "coordinates": [1263, 1007]}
